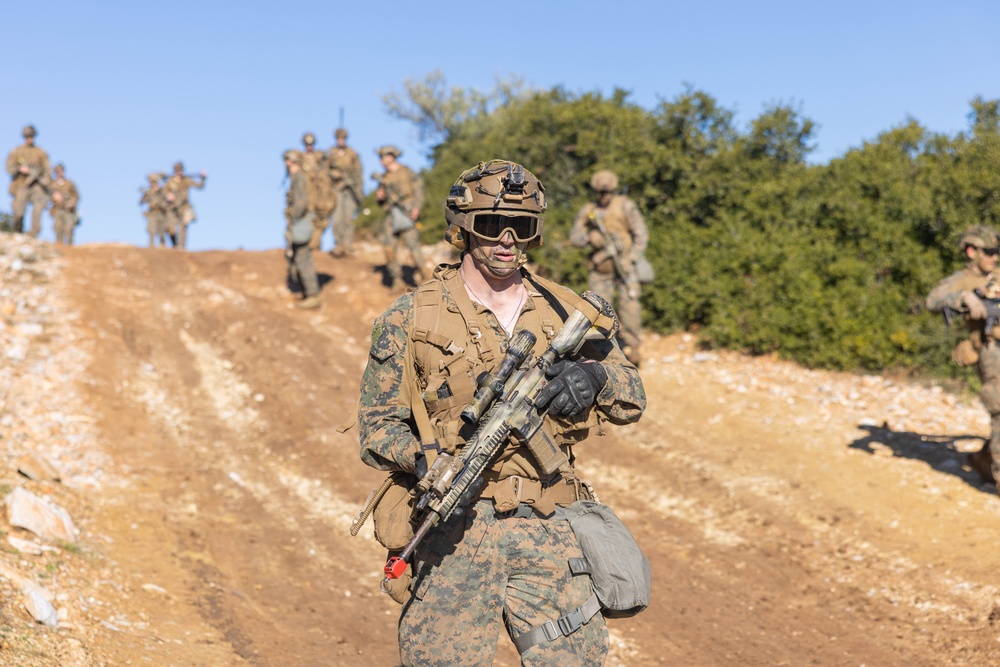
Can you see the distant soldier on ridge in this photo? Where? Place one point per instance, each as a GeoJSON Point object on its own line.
{"type": "Point", "coordinates": [155, 199]}
{"type": "Point", "coordinates": [322, 198]}
{"type": "Point", "coordinates": [401, 193]}
{"type": "Point", "coordinates": [345, 170]}
{"type": "Point", "coordinates": [180, 213]}
{"type": "Point", "coordinates": [64, 200]}
{"type": "Point", "coordinates": [28, 166]}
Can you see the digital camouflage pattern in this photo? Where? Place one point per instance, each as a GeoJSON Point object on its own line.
{"type": "Point", "coordinates": [299, 255]}
{"type": "Point", "coordinates": [477, 570]}
{"type": "Point", "coordinates": [948, 293]}
{"type": "Point", "coordinates": [30, 188]}
{"type": "Point", "coordinates": [346, 173]}
{"type": "Point", "coordinates": [155, 198]}
{"type": "Point", "coordinates": [65, 197]}
{"type": "Point", "coordinates": [621, 217]}
{"type": "Point", "coordinates": [180, 212]}
{"type": "Point", "coordinates": [404, 189]}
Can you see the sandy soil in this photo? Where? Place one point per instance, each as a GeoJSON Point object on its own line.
{"type": "Point", "coordinates": [791, 517]}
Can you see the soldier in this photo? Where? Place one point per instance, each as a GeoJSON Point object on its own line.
{"type": "Point", "coordinates": [345, 170]}
{"type": "Point", "coordinates": [962, 291]}
{"type": "Point", "coordinates": [180, 213]}
{"type": "Point", "coordinates": [401, 194]}
{"type": "Point", "coordinates": [64, 200]}
{"type": "Point", "coordinates": [155, 199]}
{"type": "Point", "coordinates": [322, 199]}
{"type": "Point", "coordinates": [625, 235]}
{"type": "Point", "coordinates": [505, 560]}
{"type": "Point", "coordinates": [28, 166]}
{"type": "Point", "coordinates": [299, 232]}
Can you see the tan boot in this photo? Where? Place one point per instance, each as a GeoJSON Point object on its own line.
{"type": "Point", "coordinates": [309, 303]}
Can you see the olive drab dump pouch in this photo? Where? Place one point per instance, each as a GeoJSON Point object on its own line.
{"type": "Point", "coordinates": [643, 270]}
{"type": "Point", "coordinates": [618, 569]}
{"type": "Point", "coordinates": [301, 229]}
{"type": "Point", "coordinates": [400, 221]}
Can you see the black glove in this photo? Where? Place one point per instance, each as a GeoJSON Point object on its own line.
{"type": "Point", "coordinates": [573, 388]}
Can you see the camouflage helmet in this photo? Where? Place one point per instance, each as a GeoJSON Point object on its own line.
{"type": "Point", "coordinates": [979, 236]}
{"type": "Point", "coordinates": [308, 138]}
{"type": "Point", "coordinates": [497, 187]}
{"type": "Point", "coordinates": [155, 177]}
{"type": "Point", "coordinates": [29, 131]}
{"type": "Point", "coordinates": [178, 167]}
{"type": "Point", "coordinates": [389, 149]}
{"type": "Point", "coordinates": [340, 133]}
{"type": "Point", "coordinates": [604, 181]}
{"type": "Point", "coordinates": [293, 156]}
{"type": "Point", "coordinates": [59, 167]}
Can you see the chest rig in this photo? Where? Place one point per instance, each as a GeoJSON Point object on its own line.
{"type": "Point", "coordinates": [453, 342]}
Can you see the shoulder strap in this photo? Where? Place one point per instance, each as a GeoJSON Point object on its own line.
{"type": "Point", "coordinates": [555, 294]}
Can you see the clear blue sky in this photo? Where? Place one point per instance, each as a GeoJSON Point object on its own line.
{"type": "Point", "coordinates": [119, 89]}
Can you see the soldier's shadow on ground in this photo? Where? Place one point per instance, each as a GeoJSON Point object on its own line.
{"type": "Point", "coordinates": [940, 452]}
{"type": "Point", "coordinates": [296, 288]}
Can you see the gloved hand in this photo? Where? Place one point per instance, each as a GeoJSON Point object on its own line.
{"type": "Point", "coordinates": [573, 388]}
{"type": "Point", "coordinates": [977, 311]}
{"type": "Point", "coordinates": [596, 239]}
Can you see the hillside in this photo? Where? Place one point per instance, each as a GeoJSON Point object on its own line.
{"type": "Point", "coordinates": [792, 517]}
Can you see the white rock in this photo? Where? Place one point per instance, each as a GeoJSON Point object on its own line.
{"type": "Point", "coordinates": [40, 609]}
{"type": "Point", "coordinates": [24, 546]}
{"type": "Point", "coordinates": [47, 520]}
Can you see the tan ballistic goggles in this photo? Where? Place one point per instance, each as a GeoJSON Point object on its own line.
{"type": "Point", "coordinates": [492, 226]}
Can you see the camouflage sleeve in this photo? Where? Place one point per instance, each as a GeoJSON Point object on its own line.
{"type": "Point", "coordinates": [298, 202]}
{"type": "Point", "coordinates": [12, 163]}
{"type": "Point", "coordinates": [387, 432]}
{"type": "Point", "coordinates": [417, 184]}
{"type": "Point", "coordinates": [640, 235]}
{"type": "Point", "coordinates": [623, 398]}
{"type": "Point", "coordinates": [947, 293]}
{"type": "Point", "coordinates": [578, 234]}
{"type": "Point", "coordinates": [74, 197]}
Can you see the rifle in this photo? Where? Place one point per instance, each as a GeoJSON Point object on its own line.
{"type": "Point", "coordinates": [508, 399]}
{"type": "Point", "coordinates": [33, 176]}
{"type": "Point", "coordinates": [398, 210]}
{"type": "Point", "coordinates": [992, 311]}
{"type": "Point", "coordinates": [613, 249]}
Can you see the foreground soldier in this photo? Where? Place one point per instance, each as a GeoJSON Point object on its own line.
{"type": "Point", "coordinates": [506, 559]}
{"type": "Point", "coordinates": [299, 232]}
{"type": "Point", "coordinates": [180, 212]}
{"type": "Point", "coordinates": [625, 227]}
{"type": "Point", "coordinates": [401, 194]}
{"type": "Point", "coordinates": [957, 292]}
{"type": "Point", "coordinates": [345, 171]}
{"type": "Point", "coordinates": [28, 166]}
{"type": "Point", "coordinates": [64, 200]}
{"type": "Point", "coordinates": [155, 199]}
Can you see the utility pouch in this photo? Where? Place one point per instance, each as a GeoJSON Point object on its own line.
{"type": "Point", "coordinates": [301, 229]}
{"type": "Point", "coordinates": [643, 270]}
{"type": "Point", "coordinates": [618, 569]}
{"type": "Point", "coordinates": [965, 353]}
{"type": "Point", "coordinates": [400, 221]}
{"type": "Point", "coordinates": [392, 514]}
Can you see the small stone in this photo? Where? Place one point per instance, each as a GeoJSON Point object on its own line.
{"type": "Point", "coordinates": [40, 609]}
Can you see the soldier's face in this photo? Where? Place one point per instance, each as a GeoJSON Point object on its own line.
{"type": "Point", "coordinates": [500, 258]}
{"type": "Point", "coordinates": [603, 198]}
{"type": "Point", "coordinates": [986, 259]}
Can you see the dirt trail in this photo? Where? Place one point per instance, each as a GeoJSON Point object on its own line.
{"type": "Point", "coordinates": [784, 524]}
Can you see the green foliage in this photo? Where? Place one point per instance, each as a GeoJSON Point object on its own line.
{"type": "Point", "coordinates": [6, 222]}
{"type": "Point", "coordinates": [825, 264]}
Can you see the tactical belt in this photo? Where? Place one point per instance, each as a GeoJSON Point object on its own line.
{"type": "Point", "coordinates": [563, 626]}
{"type": "Point", "coordinates": [510, 492]}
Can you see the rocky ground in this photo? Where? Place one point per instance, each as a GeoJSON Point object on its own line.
{"type": "Point", "coordinates": [200, 516]}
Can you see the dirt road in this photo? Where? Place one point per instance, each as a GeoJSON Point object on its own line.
{"type": "Point", "coordinates": [784, 523]}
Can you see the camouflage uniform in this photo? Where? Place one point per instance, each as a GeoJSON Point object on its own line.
{"type": "Point", "coordinates": [64, 200]}
{"type": "Point", "coordinates": [622, 220]}
{"type": "Point", "coordinates": [179, 212]}
{"type": "Point", "coordinates": [345, 170]}
{"type": "Point", "coordinates": [299, 255]}
{"type": "Point", "coordinates": [155, 199]}
{"type": "Point", "coordinates": [31, 188]}
{"type": "Point", "coordinates": [403, 190]}
{"type": "Point", "coordinates": [984, 351]}
{"type": "Point", "coordinates": [505, 561]}
{"type": "Point", "coordinates": [322, 199]}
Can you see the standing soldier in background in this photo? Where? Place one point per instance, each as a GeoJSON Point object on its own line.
{"type": "Point", "coordinates": [345, 170]}
{"type": "Point", "coordinates": [299, 232]}
{"type": "Point", "coordinates": [28, 166]}
{"type": "Point", "coordinates": [321, 196]}
{"type": "Point", "coordinates": [64, 200]}
{"type": "Point", "coordinates": [180, 213]}
{"type": "Point", "coordinates": [155, 198]}
{"type": "Point", "coordinates": [401, 193]}
{"type": "Point", "coordinates": [963, 291]}
{"type": "Point", "coordinates": [616, 233]}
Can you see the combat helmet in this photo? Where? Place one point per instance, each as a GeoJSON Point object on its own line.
{"type": "Point", "coordinates": [604, 181]}
{"type": "Point", "coordinates": [340, 133]}
{"type": "Point", "coordinates": [492, 198]}
{"type": "Point", "coordinates": [979, 236]}
{"type": "Point", "coordinates": [308, 138]}
{"type": "Point", "coordinates": [178, 167]}
{"type": "Point", "coordinates": [293, 156]}
{"type": "Point", "coordinates": [155, 177]}
{"type": "Point", "coordinates": [29, 131]}
{"type": "Point", "coordinates": [389, 149]}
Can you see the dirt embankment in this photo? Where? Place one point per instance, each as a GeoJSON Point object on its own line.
{"type": "Point", "coordinates": [792, 517]}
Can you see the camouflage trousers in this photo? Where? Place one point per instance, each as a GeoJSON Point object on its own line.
{"type": "Point", "coordinates": [343, 220]}
{"type": "Point", "coordinates": [65, 223]}
{"type": "Point", "coordinates": [35, 196]}
{"type": "Point", "coordinates": [482, 570]}
{"type": "Point", "coordinates": [394, 245]}
{"type": "Point", "coordinates": [301, 269]}
{"type": "Point", "coordinates": [156, 225]}
{"type": "Point", "coordinates": [989, 372]}
{"type": "Point", "coordinates": [629, 310]}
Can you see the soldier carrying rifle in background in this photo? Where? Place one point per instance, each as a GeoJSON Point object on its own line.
{"type": "Point", "coordinates": [28, 166]}
{"type": "Point", "coordinates": [615, 231]}
{"type": "Point", "coordinates": [180, 213]}
{"type": "Point", "coordinates": [401, 194]}
{"type": "Point", "coordinates": [65, 197]}
{"type": "Point", "coordinates": [155, 198]}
